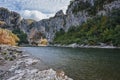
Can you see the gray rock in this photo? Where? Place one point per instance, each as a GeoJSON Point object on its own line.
{"type": "Point", "coordinates": [59, 13]}
{"type": "Point", "coordinates": [73, 45]}
{"type": "Point", "coordinates": [48, 27]}
{"type": "Point", "coordinates": [12, 19]}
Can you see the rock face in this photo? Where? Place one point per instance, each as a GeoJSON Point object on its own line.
{"type": "Point", "coordinates": [12, 20]}
{"type": "Point", "coordinates": [78, 11]}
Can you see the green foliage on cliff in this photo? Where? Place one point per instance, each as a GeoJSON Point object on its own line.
{"type": "Point", "coordinates": [22, 36]}
{"type": "Point", "coordinates": [82, 6]}
{"type": "Point", "coordinates": [91, 9]}
{"type": "Point", "coordinates": [100, 29]}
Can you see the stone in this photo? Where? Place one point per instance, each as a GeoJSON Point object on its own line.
{"type": "Point", "coordinates": [59, 13]}
{"type": "Point", "coordinates": [73, 45]}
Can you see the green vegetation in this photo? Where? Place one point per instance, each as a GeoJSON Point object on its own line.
{"type": "Point", "coordinates": [82, 6]}
{"type": "Point", "coordinates": [22, 36]}
{"type": "Point", "coordinates": [92, 9]}
{"type": "Point", "coordinates": [100, 29]}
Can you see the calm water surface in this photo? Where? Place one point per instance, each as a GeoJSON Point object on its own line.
{"type": "Point", "coordinates": [81, 64]}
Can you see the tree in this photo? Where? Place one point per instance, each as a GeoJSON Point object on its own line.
{"type": "Point", "coordinates": [22, 36]}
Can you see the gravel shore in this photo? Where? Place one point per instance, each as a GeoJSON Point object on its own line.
{"type": "Point", "coordinates": [16, 64]}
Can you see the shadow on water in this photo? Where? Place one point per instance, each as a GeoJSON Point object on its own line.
{"type": "Point", "coordinates": [81, 63]}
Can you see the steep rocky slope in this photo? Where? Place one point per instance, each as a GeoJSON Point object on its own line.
{"type": "Point", "coordinates": [100, 28]}
{"type": "Point", "coordinates": [78, 11]}
{"type": "Point", "coordinates": [13, 21]}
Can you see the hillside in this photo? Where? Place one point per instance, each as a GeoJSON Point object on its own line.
{"type": "Point", "coordinates": [94, 14]}
{"type": "Point", "coordinates": [85, 22]}
{"type": "Point", "coordinates": [13, 21]}
{"type": "Point", "coordinates": [101, 28]}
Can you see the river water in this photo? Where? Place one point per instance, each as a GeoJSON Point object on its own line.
{"type": "Point", "coordinates": [81, 63]}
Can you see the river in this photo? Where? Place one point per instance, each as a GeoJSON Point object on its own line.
{"type": "Point", "coordinates": [81, 63]}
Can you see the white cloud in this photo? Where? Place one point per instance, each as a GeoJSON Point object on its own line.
{"type": "Point", "coordinates": [33, 14]}
{"type": "Point", "coordinates": [36, 9]}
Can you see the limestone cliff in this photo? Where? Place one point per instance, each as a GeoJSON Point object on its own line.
{"type": "Point", "coordinates": [78, 11]}
{"type": "Point", "coordinates": [12, 20]}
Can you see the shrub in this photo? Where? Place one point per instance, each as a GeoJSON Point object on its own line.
{"type": "Point", "coordinates": [7, 37]}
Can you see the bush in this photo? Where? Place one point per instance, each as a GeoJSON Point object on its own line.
{"type": "Point", "coordinates": [7, 37]}
{"type": "Point", "coordinates": [22, 36]}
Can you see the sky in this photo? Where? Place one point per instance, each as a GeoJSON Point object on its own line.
{"type": "Point", "coordinates": [35, 9]}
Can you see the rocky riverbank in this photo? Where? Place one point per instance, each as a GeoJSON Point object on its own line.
{"type": "Point", "coordinates": [74, 45]}
{"type": "Point", "coordinates": [16, 64]}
